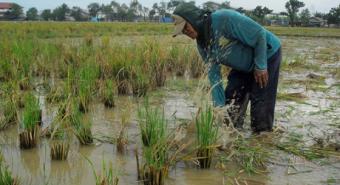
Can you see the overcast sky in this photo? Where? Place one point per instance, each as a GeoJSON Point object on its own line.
{"type": "Point", "coordinates": [276, 5]}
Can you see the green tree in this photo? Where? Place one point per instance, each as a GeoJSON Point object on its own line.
{"type": "Point", "coordinates": [93, 8]}
{"type": "Point", "coordinates": [60, 12]}
{"type": "Point", "coordinates": [152, 14]}
{"type": "Point", "coordinates": [333, 17]}
{"type": "Point", "coordinates": [293, 7]}
{"type": "Point", "coordinates": [211, 5]}
{"type": "Point", "coordinates": [123, 12]}
{"type": "Point", "coordinates": [305, 16]}
{"type": "Point", "coordinates": [77, 14]}
{"type": "Point", "coordinates": [225, 4]}
{"type": "Point", "coordinates": [115, 8]}
{"type": "Point", "coordinates": [108, 12]}
{"type": "Point", "coordinates": [259, 14]}
{"type": "Point", "coordinates": [15, 12]}
{"type": "Point", "coordinates": [46, 14]}
{"type": "Point", "coordinates": [241, 10]}
{"type": "Point", "coordinates": [172, 4]}
{"type": "Point", "coordinates": [32, 14]}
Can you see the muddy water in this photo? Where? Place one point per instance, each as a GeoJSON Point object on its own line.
{"type": "Point", "coordinates": [313, 118]}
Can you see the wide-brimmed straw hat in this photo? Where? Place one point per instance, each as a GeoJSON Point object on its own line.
{"type": "Point", "coordinates": [179, 25]}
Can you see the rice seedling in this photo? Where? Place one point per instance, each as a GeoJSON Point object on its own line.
{"type": "Point", "coordinates": [106, 176]}
{"type": "Point", "coordinates": [81, 126]}
{"type": "Point", "coordinates": [249, 154]}
{"type": "Point", "coordinates": [206, 136]}
{"type": "Point", "coordinates": [156, 63]}
{"type": "Point", "coordinates": [9, 115]}
{"type": "Point", "coordinates": [156, 155]}
{"type": "Point", "coordinates": [59, 149]}
{"type": "Point", "coordinates": [196, 66]}
{"type": "Point", "coordinates": [87, 76]}
{"type": "Point", "coordinates": [122, 139]}
{"type": "Point", "coordinates": [6, 177]}
{"type": "Point", "coordinates": [175, 63]}
{"type": "Point", "coordinates": [139, 82]}
{"type": "Point", "coordinates": [294, 144]}
{"type": "Point", "coordinates": [109, 93]}
{"type": "Point", "coordinates": [152, 125]}
{"type": "Point", "coordinates": [122, 78]}
{"type": "Point", "coordinates": [59, 136]}
{"type": "Point", "coordinates": [56, 94]}
{"type": "Point", "coordinates": [157, 159]}
{"type": "Point", "coordinates": [155, 168]}
{"type": "Point", "coordinates": [30, 122]}
{"type": "Point", "coordinates": [24, 84]}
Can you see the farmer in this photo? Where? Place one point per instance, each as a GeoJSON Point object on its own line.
{"type": "Point", "coordinates": [254, 54]}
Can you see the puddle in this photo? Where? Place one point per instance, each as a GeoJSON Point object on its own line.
{"type": "Point", "coordinates": [315, 117]}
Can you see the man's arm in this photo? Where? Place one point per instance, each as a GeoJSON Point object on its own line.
{"type": "Point", "coordinates": [214, 75]}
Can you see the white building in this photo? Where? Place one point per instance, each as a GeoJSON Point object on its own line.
{"type": "Point", "coordinates": [4, 7]}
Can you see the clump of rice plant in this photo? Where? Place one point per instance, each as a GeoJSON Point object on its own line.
{"type": "Point", "coordinates": [6, 177]}
{"type": "Point", "coordinates": [152, 125]}
{"type": "Point", "coordinates": [196, 66]}
{"type": "Point", "coordinates": [206, 136]}
{"type": "Point", "coordinates": [59, 144]}
{"type": "Point", "coordinates": [139, 82]}
{"type": "Point", "coordinates": [30, 122]}
{"type": "Point", "coordinates": [9, 115]}
{"type": "Point", "coordinates": [156, 63]}
{"type": "Point", "coordinates": [106, 177]}
{"type": "Point", "coordinates": [122, 140]}
{"type": "Point", "coordinates": [81, 127]}
{"type": "Point", "coordinates": [87, 76]}
{"type": "Point", "coordinates": [56, 94]}
{"type": "Point", "coordinates": [156, 148]}
{"type": "Point", "coordinates": [108, 93]}
{"type": "Point", "coordinates": [59, 149]}
{"type": "Point", "coordinates": [24, 84]}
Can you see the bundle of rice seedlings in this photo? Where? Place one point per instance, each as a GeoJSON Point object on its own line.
{"type": "Point", "coordinates": [30, 122]}
{"type": "Point", "coordinates": [81, 127]}
{"type": "Point", "coordinates": [6, 177]}
{"type": "Point", "coordinates": [206, 137]}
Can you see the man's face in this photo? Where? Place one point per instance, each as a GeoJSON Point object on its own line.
{"type": "Point", "coordinates": [190, 31]}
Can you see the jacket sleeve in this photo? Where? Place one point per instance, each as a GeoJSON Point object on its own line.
{"type": "Point", "coordinates": [252, 34]}
{"type": "Point", "coordinates": [214, 75]}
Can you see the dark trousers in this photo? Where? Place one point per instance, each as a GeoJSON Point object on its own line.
{"type": "Point", "coordinates": [242, 87]}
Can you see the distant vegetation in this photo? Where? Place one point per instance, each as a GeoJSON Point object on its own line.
{"type": "Point", "coordinates": [160, 12]}
{"type": "Point", "coordinates": [81, 29]}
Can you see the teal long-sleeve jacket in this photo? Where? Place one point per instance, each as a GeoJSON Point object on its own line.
{"type": "Point", "coordinates": [238, 42]}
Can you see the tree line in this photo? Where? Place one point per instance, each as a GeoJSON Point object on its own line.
{"type": "Point", "coordinates": [115, 11]}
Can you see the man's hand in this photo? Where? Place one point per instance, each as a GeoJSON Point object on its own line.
{"type": "Point", "coordinates": [261, 77]}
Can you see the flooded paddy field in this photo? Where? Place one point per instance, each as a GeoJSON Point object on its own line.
{"type": "Point", "coordinates": [303, 149]}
